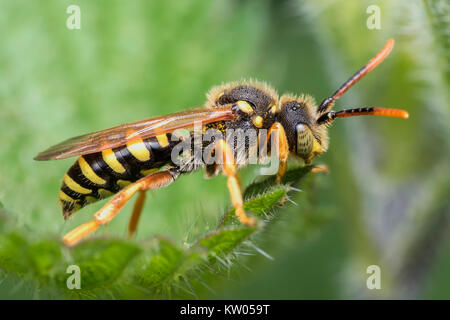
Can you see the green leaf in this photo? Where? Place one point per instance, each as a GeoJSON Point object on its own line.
{"type": "Point", "coordinates": [164, 265]}
{"type": "Point", "coordinates": [100, 261]}
{"type": "Point", "coordinates": [259, 205]}
{"type": "Point", "coordinates": [223, 241]}
{"type": "Point", "coordinates": [45, 259]}
{"type": "Point", "coordinates": [291, 178]}
{"type": "Point", "coordinates": [263, 196]}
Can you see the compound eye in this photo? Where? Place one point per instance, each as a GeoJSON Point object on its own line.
{"type": "Point", "coordinates": [305, 140]}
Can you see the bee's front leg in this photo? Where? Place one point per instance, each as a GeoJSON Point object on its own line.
{"type": "Point", "coordinates": [320, 168]}
{"type": "Point", "coordinates": [282, 147]}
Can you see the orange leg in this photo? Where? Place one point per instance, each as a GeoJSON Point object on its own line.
{"type": "Point", "coordinates": [230, 171]}
{"type": "Point", "coordinates": [320, 168]}
{"type": "Point", "coordinates": [112, 207]}
{"type": "Point", "coordinates": [137, 210]}
{"type": "Point", "coordinates": [283, 147]}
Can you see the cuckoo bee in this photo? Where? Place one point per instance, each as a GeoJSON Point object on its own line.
{"type": "Point", "coordinates": [137, 157]}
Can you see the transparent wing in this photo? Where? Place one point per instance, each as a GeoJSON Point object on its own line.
{"type": "Point", "coordinates": [120, 135]}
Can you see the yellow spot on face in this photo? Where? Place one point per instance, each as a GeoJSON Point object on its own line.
{"type": "Point", "coordinates": [317, 148]}
{"type": "Point", "coordinates": [104, 193]}
{"type": "Point", "coordinates": [149, 171]}
{"type": "Point", "coordinates": [88, 172]}
{"type": "Point", "coordinates": [65, 197]}
{"type": "Point", "coordinates": [110, 158]}
{"type": "Point", "coordinates": [245, 107]}
{"type": "Point", "coordinates": [75, 186]}
{"type": "Point", "coordinates": [273, 109]}
{"type": "Point", "coordinates": [138, 150]}
{"type": "Point", "coordinates": [162, 140]}
{"type": "Point", "coordinates": [257, 121]}
{"type": "Point", "coordinates": [123, 183]}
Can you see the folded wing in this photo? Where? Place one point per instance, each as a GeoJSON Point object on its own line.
{"type": "Point", "coordinates": [120, 135]}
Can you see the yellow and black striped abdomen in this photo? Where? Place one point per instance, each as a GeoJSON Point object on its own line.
{"type": "Point", "coordinates": [99, 175]}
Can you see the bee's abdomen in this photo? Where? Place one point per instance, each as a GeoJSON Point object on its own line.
{"type": "Point", "coordinates": [99, 175]}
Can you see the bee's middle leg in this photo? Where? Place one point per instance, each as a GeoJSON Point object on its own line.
{"type": "Point", "coordinates": [230, 171]}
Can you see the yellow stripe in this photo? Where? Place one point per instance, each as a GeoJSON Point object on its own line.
{"type": "Point", "coordinates": [104, 193]}
{"type": "Point", "coordinates": [149, 171]}
{"type": "Point", "coordinates": [162, 140]}
{"type": "Point", "coordinates": [123, 183]}
{"type": "Point", "coordinates": [138, 150]}
{"type": "Point", "coordinates": [88, 172]}
{"type": "Point", "coordinates": [65, 197]}
{"type": "Point", "coordinates": [110, 158]}
{"type": "Point", "coordinates": [75, 186]}
{"type": "Point", "coordinates": [90, 199]}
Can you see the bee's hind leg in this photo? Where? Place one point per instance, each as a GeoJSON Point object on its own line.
{"type": "Point", "coordinates": [112, 207]}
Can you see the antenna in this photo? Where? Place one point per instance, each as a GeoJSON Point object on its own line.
{"type": "Point", "coordinates": [370, 111]}
{"type": "Point", "coordinates": [327, 104]}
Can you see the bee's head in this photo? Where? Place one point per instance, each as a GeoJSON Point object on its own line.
{"type": "Point", "coordinates": [298, 117]}
{"type": "Point", "coordinates": [305, 124]}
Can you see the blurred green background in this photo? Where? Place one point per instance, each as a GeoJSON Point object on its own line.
{"type": "Point", "coordinates": [385, 201]}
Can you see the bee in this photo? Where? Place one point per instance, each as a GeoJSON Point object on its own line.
{"type": "Point", "coordinates": [137, 157]}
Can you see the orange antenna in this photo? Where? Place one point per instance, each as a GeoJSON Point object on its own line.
{"type": "Point", "coordinates": [330, 116]}
{"type": "Point", "coordinates": [327, 104]}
